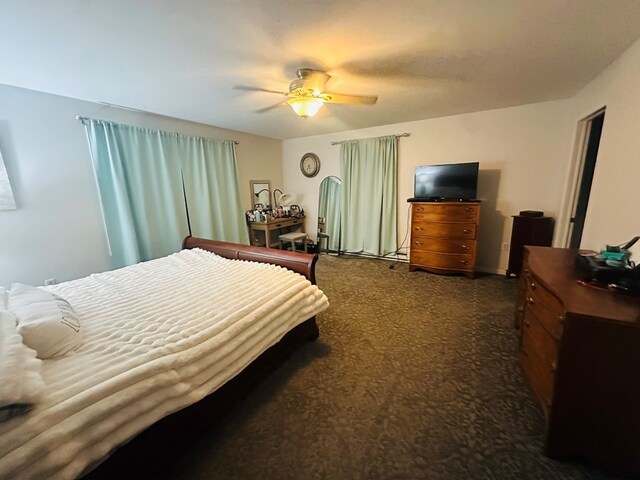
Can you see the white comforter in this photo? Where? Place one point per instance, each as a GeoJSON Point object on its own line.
{"type": "Point", "coordinates": [20, 381]}
{"type": "Point", "coordinates": [159, 336]}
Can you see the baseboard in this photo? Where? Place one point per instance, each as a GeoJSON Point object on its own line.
{"type": "Point", "coordinates": [389, 257]}
{"type": "Point", "coordinates": [493, 271]}
{"type": "Point", "coordinates": [489, 270]}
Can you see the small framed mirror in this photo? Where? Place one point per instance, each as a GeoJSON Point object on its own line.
{"type": "Point", "coordinates": [260, 191]}
{"type": "Point", "coordinates": [329, 214]}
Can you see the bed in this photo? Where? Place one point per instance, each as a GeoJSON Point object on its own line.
{"type": "Point", "coordinates": [151, 372]}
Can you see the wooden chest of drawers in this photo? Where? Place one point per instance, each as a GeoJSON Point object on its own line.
{"type": "Point", "coordinates": [542, 323]}
{"type": "Point", "coordinates": [443, 236]}
{"type": "Point", "coordinates": [580, 354]}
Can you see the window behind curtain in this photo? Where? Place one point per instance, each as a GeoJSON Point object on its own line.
{"type": "Point", "coordinates": [140, 175]}
{"type": "Point", "coordinates": [369, 172]}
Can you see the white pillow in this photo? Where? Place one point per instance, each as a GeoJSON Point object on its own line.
{"type": "Point", "coordinates": [46, 321]}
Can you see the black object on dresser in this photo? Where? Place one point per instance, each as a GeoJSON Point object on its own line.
{"type": "Point", "coordinates": [530, 227]}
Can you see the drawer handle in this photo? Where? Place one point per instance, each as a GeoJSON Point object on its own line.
{"type": "Point", "coordinates": [530, 300]}
{"type": "Point", "coordinates": [420, 209]}
{"type": "Point", "coordinates": [469, 209]}
{"type": "Point", "coordinates": [419, 229]}
{"type": "Point", "coordinates": [419, 243]}
{"type": "Point", "coordinates": [466, 247]}
{"type": "Point", "coordinates": [561, 318]}
{"type": "Point", "coordinates": [527, 323]}
{"type": "Point", "coordinates": [554, 366]}
{"type": "Point", "coordinates": [532, 285]}
{"type": "Point", "coordinates": [464, 262]}
{"type": "Point", "coordinates": [466, 230]}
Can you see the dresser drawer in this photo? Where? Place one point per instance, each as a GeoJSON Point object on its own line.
{"type": "Point", "coordinates": [546, 307]}
{"type": "Point", "coordinates": [540, 381]}
{"type": "Point", "coordinates": [446, 213]}
{"type": "Point", "coordinates": [448, 261]}
{"type": "Point", "coordinates": [539, 355]}
{"type": "Point", "coordinates": [443, 245]}
{"type": "Point", "coordinates": [444, 230]}
{"type": "Point", "coordinates": [539, 339]}
{"type": "Point", "coordinates": [521, 298]}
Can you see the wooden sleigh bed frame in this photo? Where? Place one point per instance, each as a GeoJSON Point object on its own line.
{"type": "Point", "coordinates": [146, 453]}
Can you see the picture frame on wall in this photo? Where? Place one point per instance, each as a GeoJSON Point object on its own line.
{"type": "Point", "coordinates": [7, 201]}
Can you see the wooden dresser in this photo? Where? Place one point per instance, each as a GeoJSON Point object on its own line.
{"type": "Point", "coordinates": [580, 354]}
{"type": "Point", "coordinates": [443, 237]}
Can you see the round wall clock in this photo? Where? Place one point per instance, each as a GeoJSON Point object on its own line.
{"type": "Point", "coordinates": [310, 164]}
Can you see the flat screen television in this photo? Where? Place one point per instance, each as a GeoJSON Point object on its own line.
{"type": "Point", "coordinates": [455, 181]}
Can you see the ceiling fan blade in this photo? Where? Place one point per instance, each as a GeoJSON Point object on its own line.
{"type": "Point", "coordinates": [346, 98]}
{"type": "Point", "coordinates": [266, 109]}
{"type": "Point", "coordinates": [256, 89]}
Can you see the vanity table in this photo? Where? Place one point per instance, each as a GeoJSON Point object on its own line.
{"type": "Point", "coordinates": [281, 225]}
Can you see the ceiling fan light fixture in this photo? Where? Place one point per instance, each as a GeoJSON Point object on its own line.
{"type": "Point", "coordinates": [305, 106]}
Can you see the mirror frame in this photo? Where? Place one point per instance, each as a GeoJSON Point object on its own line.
{"type": "Point", "coordinates": [254, 187]}
{"type": "Point", "coordinates": [339, 181]}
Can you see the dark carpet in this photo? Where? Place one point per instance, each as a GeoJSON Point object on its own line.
{"type": "Point", "coordinates": [414, 376]}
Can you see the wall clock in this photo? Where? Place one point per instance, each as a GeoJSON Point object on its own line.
{"type": "Point", "coordinates": [310, 164]}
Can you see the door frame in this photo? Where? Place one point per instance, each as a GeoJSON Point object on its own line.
{"type": "Point", "coordinates": [565, 225]}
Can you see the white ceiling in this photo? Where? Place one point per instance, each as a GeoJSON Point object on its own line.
{"type": "Point", "coordinates": [423, 58]}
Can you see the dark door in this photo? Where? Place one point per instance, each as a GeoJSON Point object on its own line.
{"type": "Point", "coordinates": [584, 189]}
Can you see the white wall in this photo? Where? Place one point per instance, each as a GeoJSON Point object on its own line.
{"type": "Point", "coordinates": [523, 153]}
{"type": "Point", "coordinates": [57, 231]}
{"type": "Point", "coordinates": [612, 216]}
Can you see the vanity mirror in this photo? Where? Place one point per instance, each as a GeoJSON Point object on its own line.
{"type": "Point", "coordinates": [260, 191]}
{"type": "Point", "coordinates": [329, 214]}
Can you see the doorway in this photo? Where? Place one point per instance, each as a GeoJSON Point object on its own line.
{"type": "Point", "coordinates": [590, 143]}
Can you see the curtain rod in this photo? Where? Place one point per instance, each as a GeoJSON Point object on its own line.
{"type": "Point", "coordinates": [405, 134]}
{"type": "Point", "coordinates": [82, 120]}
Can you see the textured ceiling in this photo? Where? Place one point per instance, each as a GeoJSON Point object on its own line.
{"type": "Point", "coordinates": [423, 58]}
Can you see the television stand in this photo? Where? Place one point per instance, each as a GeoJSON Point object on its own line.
{"type": "Point", "coordinates": [444, 236]}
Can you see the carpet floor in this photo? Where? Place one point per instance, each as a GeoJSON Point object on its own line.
{"type": "Point", "coordinates": [414, 376]}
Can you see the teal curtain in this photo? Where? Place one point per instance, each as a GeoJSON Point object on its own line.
{"type": "Point", "coordinates": [329, 209]}
{"type": "Point", "coordinates": [211, 189]}
{"type": "Point", "coordinates": [369, 172]}
{"type": "Point", "coordinates": [140, 187]}
{"type": "Point", "coordinates": [140, 175]}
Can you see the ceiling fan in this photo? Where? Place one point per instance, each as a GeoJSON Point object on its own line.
{"type": "Point", "coordinates": [306, 93]}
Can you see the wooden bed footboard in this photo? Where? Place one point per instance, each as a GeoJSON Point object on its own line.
{"type": "Point", "coordinates": [303, 263]}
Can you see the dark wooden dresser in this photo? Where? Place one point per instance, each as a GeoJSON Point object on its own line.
{"type": "Point", "coordinates": [444, 236]}
{"type": "Point", "coordinates": [580, 354]}
{"type": "Point", "coordinates": [527, 230]}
